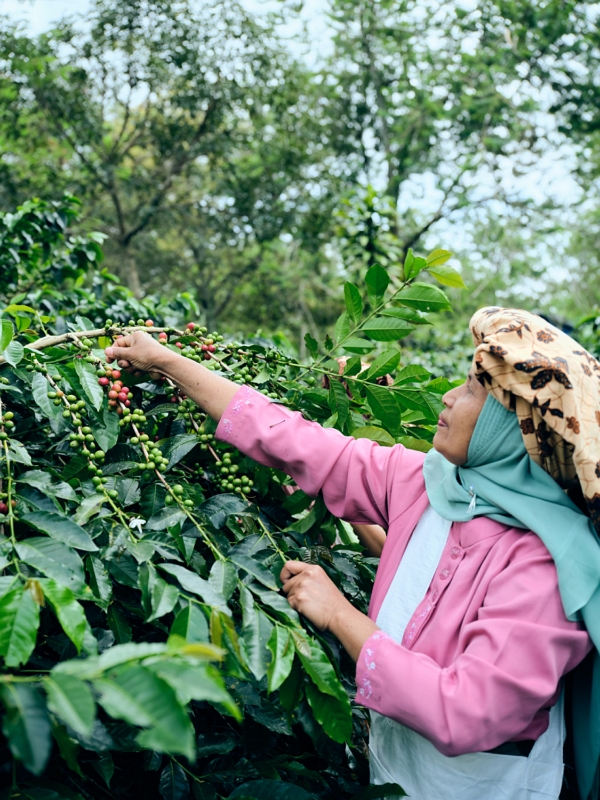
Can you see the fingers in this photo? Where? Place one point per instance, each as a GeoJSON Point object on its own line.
{"type": "Point", "coordinates": [292, 568]}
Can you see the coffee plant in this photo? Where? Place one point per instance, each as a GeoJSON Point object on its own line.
{"type": "Point", "coordinates": [146, 648]}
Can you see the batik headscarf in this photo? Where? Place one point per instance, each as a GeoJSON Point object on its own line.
{"type": "Point", "coordinates": [553, 385]}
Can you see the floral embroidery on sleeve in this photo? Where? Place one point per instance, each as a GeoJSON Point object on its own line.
{"type": "Point", "coordinates": [366, 689]}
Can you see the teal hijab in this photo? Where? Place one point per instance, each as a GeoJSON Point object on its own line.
{"type": "Point", "coordinates": [501, 481]}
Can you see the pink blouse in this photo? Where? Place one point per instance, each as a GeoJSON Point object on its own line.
{"type": "Point", "coordinates": [483, 654]}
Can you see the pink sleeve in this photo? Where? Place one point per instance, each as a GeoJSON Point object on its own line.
{"type": "Point", "coordinates": [355, 475]}
{"type": "Point", "coordinates": [510, 663]}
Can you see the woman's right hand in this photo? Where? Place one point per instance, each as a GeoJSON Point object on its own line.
{"type": "Point", "coordinates": [138, 352]}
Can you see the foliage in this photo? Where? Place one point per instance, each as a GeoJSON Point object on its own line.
{"type": "Point", "coordinates": [144, 639]}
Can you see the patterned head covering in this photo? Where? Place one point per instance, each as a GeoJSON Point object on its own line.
{"type": "Point", "coordinates": [553, 384]}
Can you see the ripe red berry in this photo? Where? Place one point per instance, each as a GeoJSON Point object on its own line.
{"type": "Point", "coordinates": [124, 389]}
{"type": "Point", "coordinates": [113, 395]}
{"type": "Point", "coordinates": [3, 508]}
{"type": "Point", "coordinates": [127, 403]}
{"type": "Point", "coordinates": [163, 336]}
{"type": "Point", "coordinates": [116, 373]}
{"type": "Point", "coordinates": [122, 397]}
{"type": "Point", "coordinates": [204, 347]}
{"type": "Point", "coordinates": [173, 399]}
{"type": "Point", "coordinates": [119, 410]}
{"type": "Point", "coordinates": [211, 348]}
{"type": "Point", "coordinates": [178, 344]}
{"type": "Point", "coordinates": [207, 356]}
{"type": "Point", "coordinates": [149, 323]}
{"type": "Point", "coordinates": [191, 326]}
{"type": "Point", "coordinates": [112, 403]}
{"type": "Point", "coordinates": [117, 386]}
{"type": "Point", "coordinates": [103, 381]}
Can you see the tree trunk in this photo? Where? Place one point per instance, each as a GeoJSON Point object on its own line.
{"type": "Point", "coordinates": [133, 275]}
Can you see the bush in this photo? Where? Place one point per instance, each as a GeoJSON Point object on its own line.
{"type": "Point", "coordinates": [145, 642]}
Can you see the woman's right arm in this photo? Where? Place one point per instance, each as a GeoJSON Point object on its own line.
{"type": "Point", "coordinates": [355, 475]}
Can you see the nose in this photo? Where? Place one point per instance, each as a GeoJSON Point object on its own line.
{"type": "Point", "coordinates": [448, 398]}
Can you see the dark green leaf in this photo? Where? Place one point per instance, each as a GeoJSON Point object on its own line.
{"type": "Point", "coordinates": [377, 281]}
{"type": "Point", "coordinates": [140, 697]}
{"type": "Point", "coordinates": [106, 429]}
{"type": "Point", "coordinates": [196, 585]}
{"type": "Point", "coordinates": [256, 632]}
{"type": "Point", "coordinates": [191, 624]}
{"type": "Point", "coordinates": [19, 622]}
{"type": "Point", "coordinates": [218, 508]}
{"type": "Point", "coordinates": [61, 529]}
{"type": "Point", "coordinates": [411, 373]}
{"type": "Point", "coordinates": [89, 383]}
{"type": "Point", "coordinates": [72, 702]}
{"type": "Point", "coordinates": [311, 345]}
{"type": "Point", "coordinates": [384, 364]}
{"type": "Point", "coordinates": [334, 714]}
{"type": "Point", "coordinates": [26, 725]}
{"type": "Point", "coordinates": [373, 792]}
{"type": "Point", "coordinates": [338, 401]}
{"type": "Point", "coordinates": [356, 345]}
{"type": "Point", "coordinates": [177, 447]}
{"type": "Point", "coordinates": [254, 568]}
{"type": "Point", "coordinates": [195, 682]}
{"type": "Point", "coordinates": [282, 651]}
{"type": "Point", "coordinates": [13, 353]}
{"type": "Point", "coordinates": [68, 611]}
{"type": "Point", "coordinates": [153, 499]}
{"type": "Point", "coordinates": [43, 481]}
{"type": "Point", "coordinates": [353, 300]}
{"type": "Point", "coordinates": [387, 329]}
{"type": "Point", "coordinates": [424, 297]}
{"type": "Point", "coordinates": [384, 406]}
{"type": "Point", "coordinates": [342, 327]}
{"type": "Point", "coordinates": [319, 668]}
{"type": "Point", "coordinates": [100, 582]}
{"type": "Point", "coordinates": [223, 578]}
{"type": "Point", "coordinates": [174, 784]}
{"type": "Point", "coordinates": [53, 559]}
{"type": "Point", "coordinates": [270, 790]}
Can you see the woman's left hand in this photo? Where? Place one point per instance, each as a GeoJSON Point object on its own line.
{"type": "Point", "coordinates": [310, 592]}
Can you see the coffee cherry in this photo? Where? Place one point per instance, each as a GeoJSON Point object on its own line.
{"type": "Point", "coordinates": [116, 373]}
{"type": "Point", "coordinates": [178, 489]}
{"type": "Point", "coordinates": [103, 381]}
{"type": "Point", "coordinates": [162, 336]}
{"type": "Point", "coordinates": [169, 500]}
{"type": "Point", "coordinates": [3, 508]}
{"type": "Point", "coordinates": [190, 326]}
{"type": "Point", "coordinates": [149, 323]}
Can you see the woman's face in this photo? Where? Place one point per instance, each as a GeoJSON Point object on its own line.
{"type": "Point", "coordinates": [457, 422]}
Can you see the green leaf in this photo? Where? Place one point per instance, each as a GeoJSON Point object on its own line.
{"type": "Point", "coordinates": [61, 529]}
{"type": "Point", "coordinates": [53, 559]}
{"type": "Point", "coordinates": [256, 632]}
{"type": "Point", "coordinates": [158, 596]}
{"type": "Point", "coordinates": [176, 447]}
{"type": "Point", "coordinates": [353, 300]}
{"type": "Point", "coordinates": [6, 334]}
{"type": "Point", "coordinates": [43, 481]}
{"type": "Point", "coordinates": [68, 611]}
{"type": "Point", "coordinates": [387, 329]}
{"type": "Point", "coordinates": [311, 345]}
{"type": "Point", "coordinates": [411, 373]}
{"type": "Point", "coordinates": [26, 725]}
{"type": "Point", "coordinates": [383, 405]}
{"type": "Point", "coordinates": [18, 453]}
{"type": "Point", "coordinates": [357, 345]}
{"type": "Point", "coordinates": [339, 401]}
{"type": "Point", "coordinates": [448, 276]}
{"type": "Point", "coordinates": [282, 651]}
{"type": "Point", "coordinates": [39, 390]}
{"type": "Point", "coordinates": [19, 623]}
{"type": "Point", "coordinates": [254, 568]}
{"type": "Point", "coordinates": [165, 518]}
{"type": "Point", "coordinates": [223, 578]}
{"type": "Point", "coordinates": [113, 657]}
{"type": "Point", "coordinates": [377, 281]}
{"type": "Point", "coordinates": [216, 510]}
{"type": "Point", "coordinates": [411, 443]}
{"type": "Point", "coordinates": [196, 585]}
{"type": "Point", "coordinates": [89, 383]}
{"type": "Point", "coordinates": [375, 434]}
{"type": "Point", "coordinates": [342, 327]}
{"type": "Point", "coordinates": [13, 353]}
{"type": "Point", "coordinates": [72, 702]}
{"type": "Point", "coordinates": [100, 582]}
{"type": "Point", "coordinates": [334, 714]}
{"type": "Point", "coordinates": [153, 499]}
{"type": "Point", "coordinates": [321, 671]}
{"type": "Point", "coordinates": [106, 429]}
{"type": "Point", "coordinates": [190, 624]}
{"type": "Point", "coordinates": [270, 790]}
{"type": "Point", "coordinates": [384, 364]}
{"type": "Point", "coordinates": [438, 257]}
{"type": "Point", "coordinates": [412, 266]}
{"type": "Point", "coordinates": [174, 784]}
{"type": "Point", "coordinates": [88, 507]}
{"type": "Point", "coordinates": [423, 297]}
{"type": "Point", "coordinates": [407, 314]}
{"type": "Point", "coordinates": [194, 682]}
{"type": "Point", "coordinates": [119, 625]}
{"type": "Point", "coordinates": [139, 697]}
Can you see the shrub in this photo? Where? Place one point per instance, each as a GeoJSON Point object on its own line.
{"type": "Point", "coordinates": [145, 642]}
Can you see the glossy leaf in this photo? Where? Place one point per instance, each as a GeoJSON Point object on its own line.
{"type": "Point", "coordinates": [106, 429]}
{"type": "Point", "coordinates": [89, 383]}
{"type": "Point", "coordinates": [61, 529]}
{"type": "Point", "coordinates": [140, 697]}
{"type": "Point", "coordinates": [68, 611]}
{"type": "Point", "coordinates": [342, 327]}
{"type": "Point", "coordinates": [386, 329]}
{"type": "Point", "coordinates": [375, 434]}
{"type": "Point", "coordinates": [174, 784]}
{"type": "Point", "coordinates": [19, 622]}
{"type": "Point", "coordinates": [191, 624]}
{"type": "Point", "coordinates": [281, 647]}
{"type": "Point", "coordinates": [438, 257]}
{"type": "Point", "coordinates": [334, 714]}
{"type": "Point", "coordinates": [194, 682]}
{"type": "Point", "coordinates": [270, 790]}
{"type": "Point", "coordinates": [53, 559]}
{"type": "Point", "coordinates": [254, 568]}
{"type": "Point", "coordinates": [177, 447]}
{"type": "Point", "coordinates": [6, 334]}
{"type": "Point", "coordinates": [43, 481]}
{"type": "Point", "coordinates": [377, 281]}
{"type": "Point", "coordinates": [311, 345]}
{"type": "Point", "coordinates": [447, 276]}
{"type": "Point", "coordinates": [223, 578]}
{"type": "Point", "coordinates": [257, 630]}
{"type": "Point", "coordinates": [424, 297]}
{"type": "Point", "coordinates": [384, 364]}
{"type": "Point", "coordinates": [353, 300]}
{"type": "Point", "coordinates": [13, 353]}
{"type": "Point", "coordinates": [383, 405]}
{"type": "Point", "coordinates": [26, 725]}
{"type": "Point", "coordinates": [72, 702]}
{"type": "Point", "coordinates": [196, 585]}
{"type": "Point", "coordinates": [339, 402]}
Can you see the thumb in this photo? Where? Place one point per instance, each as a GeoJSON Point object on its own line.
{"type": "Point", "coordinates": [291, 568]}
{"type": "Point", "coordinates": [117, 350]}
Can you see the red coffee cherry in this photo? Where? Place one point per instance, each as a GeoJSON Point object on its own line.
{"type": "Point", "coordinates": [191, 326]}
{"type": "Point", "coordinates": [103, 381]}
{"type": "Point", "coordinates": [116, 373]}
{"type": "Point", "coordinates": [149, 323]}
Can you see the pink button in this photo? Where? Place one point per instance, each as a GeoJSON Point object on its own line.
{"type": "Point", "coordinates": [444, 574]}
{"type": "Point", "coordinates": [455, 552]}
{"type": "Point", "coordinates": [435, 595]}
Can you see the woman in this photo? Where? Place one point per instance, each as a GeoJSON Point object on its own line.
{"type": "Point", "coordinates": [462, 656]}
